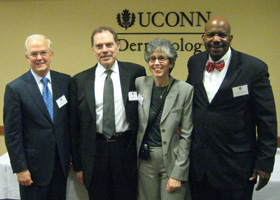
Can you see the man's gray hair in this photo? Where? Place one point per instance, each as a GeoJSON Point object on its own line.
{"type": "Point", "coordinates": [37, 36]}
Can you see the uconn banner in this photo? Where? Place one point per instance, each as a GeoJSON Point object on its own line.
{"type": "Point", "coordinates": [176, 25]}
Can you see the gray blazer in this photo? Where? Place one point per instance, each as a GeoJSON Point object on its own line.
{"type": "Point", "coordinates": [177, 112]}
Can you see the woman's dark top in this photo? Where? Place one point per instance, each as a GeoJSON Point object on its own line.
{"type": "Point", "coordinates": [157, 102]}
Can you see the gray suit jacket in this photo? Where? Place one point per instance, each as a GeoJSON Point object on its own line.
{"type": "Point", "coordinates": [177, 112]}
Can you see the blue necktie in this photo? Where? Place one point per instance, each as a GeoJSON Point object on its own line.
{"type": "Point", "coordinates": [47, 96]}
{"type": "Point", "coordinates": [108, 125]}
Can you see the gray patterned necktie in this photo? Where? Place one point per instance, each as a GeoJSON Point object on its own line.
{"type": "Point", "coordinates": [108, 124]}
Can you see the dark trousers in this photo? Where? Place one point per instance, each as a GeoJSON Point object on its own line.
{"type": "Point", "coordinates": [55, 190]}
{"type": "Point", "coordinates": [109, 180]}
{"type": "Point", "coordinates": [202, 190]}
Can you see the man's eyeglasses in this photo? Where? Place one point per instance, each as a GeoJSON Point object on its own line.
{"type": "Point", "coordinates": [161, 59]}
{"type": "Point", "coordinates": [42, 54]}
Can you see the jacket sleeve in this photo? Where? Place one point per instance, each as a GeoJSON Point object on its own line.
{"type": "Point", "coordinates": [74, 128]}
{"type": "Point", "coordinates": [266, 122]}
{"type": "Point", "coordinates": [13, 130]}
{"type": "Point", "coordinates": [182, 163]}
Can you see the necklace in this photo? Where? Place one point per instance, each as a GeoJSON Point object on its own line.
{"type": "Point", "coordinates": [160, 94]}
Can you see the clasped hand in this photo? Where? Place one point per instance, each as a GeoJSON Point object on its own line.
{"type": "Point", "coordinates": [173, 185]}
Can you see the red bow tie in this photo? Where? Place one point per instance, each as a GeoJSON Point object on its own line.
{"type": "Point", "coordinates": [219, 66]}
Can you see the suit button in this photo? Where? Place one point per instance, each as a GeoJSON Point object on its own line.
{"type": "Point", "coordinates": [163, 130]}
{"type": "Point", "coordinates": [205, 126]}
{"type": "Point", "coordinates": [164, 142]}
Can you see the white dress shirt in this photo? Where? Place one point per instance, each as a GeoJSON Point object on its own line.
{"type": "Point", "coordinates": [213, 80]}
{"type": "Point", "coordinates": [121, 122]}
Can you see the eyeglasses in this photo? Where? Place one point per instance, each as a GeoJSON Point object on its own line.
{"type": "Point", "coordinates": [161, 59]}
{"type": "Point", "coordinates": [42, 54]}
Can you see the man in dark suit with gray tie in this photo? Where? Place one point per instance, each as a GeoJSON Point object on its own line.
{"type": "Point", "coordinates": [36, 125]}
{"type": "Point", "coordinates": [235, 126]}
{"type": "Point", "coordinates": [103, 128]}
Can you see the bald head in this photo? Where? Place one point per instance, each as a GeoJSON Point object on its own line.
{"type": "Point", "coordinates": [218, 21]}
{"type": "Point", "coordinates": [217, 37]}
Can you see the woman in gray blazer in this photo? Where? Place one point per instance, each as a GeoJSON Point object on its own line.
{"type": "Point", "coordinates": [165, 126]}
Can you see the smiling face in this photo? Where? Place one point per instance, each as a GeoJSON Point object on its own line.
{"type": "Point", "coordinates": [217, 37]}
{"type": "Point", "coordinates": [159, 65]}
{"type": "Point", "coordinates": [39, 56]}
{"type": "Point", "coordinates": [105, 48]}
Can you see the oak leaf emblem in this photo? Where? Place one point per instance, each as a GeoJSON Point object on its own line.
{"type": "Point", "coordinates": [126, 19]}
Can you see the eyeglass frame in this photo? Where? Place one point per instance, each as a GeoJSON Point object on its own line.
{"type": "Point", "coordinates": [161, 59]}
{"type": "Point", "coordinates": [44, 54]}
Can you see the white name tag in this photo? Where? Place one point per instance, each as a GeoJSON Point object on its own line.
{"type": "Point", "coordinates": [240, 91]}
{"type": "Point", "coordinates": [140, 99]}
{"type": "Point", "coordinates": [61, 101]}
{"type": "Point", "coordinates": [132, 96]}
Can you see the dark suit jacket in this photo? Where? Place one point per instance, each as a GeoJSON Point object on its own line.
{"type": "Point", "coordinates": [83, 118]}
{"type": "Point", "coordinates": [224, 144]}
{"type": "Point", "coordinates": [30, 135]}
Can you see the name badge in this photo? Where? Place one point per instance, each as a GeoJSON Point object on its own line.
{"type": "Point", "coordinates": [140, 99]}
{"type": "Point", "coordinates": [132, 96]}
{"type": "Point", "coordinates": [61, 101]}
{"type": "Point", "coordinates": [240, 91]}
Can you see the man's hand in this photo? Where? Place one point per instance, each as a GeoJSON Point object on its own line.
{"type": "Point", "coordinates": [173, 185]}
{"type": "Point", "coordinates": [79, 175]}
{"type": "Point", "coordinates": [263, 178]}
{"type": "Point", "coordinates": [24, 178]}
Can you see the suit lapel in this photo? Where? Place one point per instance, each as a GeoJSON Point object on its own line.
{"type": "Point", "coordinates": [125, 81]}
{"type": "Point", "coordinates": [200, 86]}
{"type": "Point", "coordinates": [170, 99]}
{"type": "Point", "coordinates": [33, 90]}
{"type": "Point", "coordinates": [56, 92]}
{"type": "Point", "coordinates": [233, 71]}
{"type": "Point", "coordinates": [90, 91]}
{"type": "Point", "coordinates": [147, 95]}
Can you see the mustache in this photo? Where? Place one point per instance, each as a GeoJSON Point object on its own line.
{"type": "Point", "coordinates": [105, 54]}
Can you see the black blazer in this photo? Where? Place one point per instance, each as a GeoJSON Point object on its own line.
{"type": "Point", "coordinates": [224, 144]}
{"type": "Point", "coordinates": [83, 118]}
{"type": "Point", "coordinates": [30, 135]}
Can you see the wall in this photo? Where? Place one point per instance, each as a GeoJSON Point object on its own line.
{"type": "Point", "coordinates": [69, 24]}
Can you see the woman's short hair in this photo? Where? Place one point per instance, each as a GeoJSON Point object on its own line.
{"type": "Point", "coordinates": [163, 46]}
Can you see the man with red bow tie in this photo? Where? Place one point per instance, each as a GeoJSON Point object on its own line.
{"type": "Point", "coordinates": [233, 103]}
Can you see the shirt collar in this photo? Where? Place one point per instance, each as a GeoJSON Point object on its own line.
{"type": "Point", "coordinates": [38, 78]}
{"type": "Point", "coordinates": [100, 70]}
